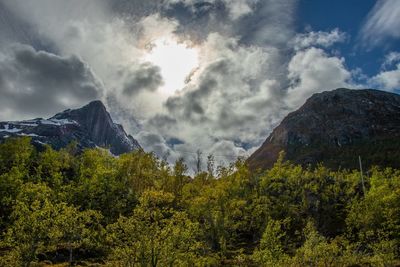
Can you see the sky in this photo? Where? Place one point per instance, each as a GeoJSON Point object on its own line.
{"type": "Point", "coordinates": [188, 75]}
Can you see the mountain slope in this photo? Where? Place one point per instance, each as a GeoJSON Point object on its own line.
{"type": "Point", "coordinates": [334, 128]}
{"type": "Point", "coordinates": [90, 126]}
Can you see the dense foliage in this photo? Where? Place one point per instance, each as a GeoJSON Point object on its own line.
{"type": "Point", "coordinates": [135, 210]}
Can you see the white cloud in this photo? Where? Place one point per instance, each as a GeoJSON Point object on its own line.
{"type": "Point", "coordinates": [320, 38]}
{"type": "Point", "coordinates": [245, 84]}
{"type": "Point", "coordinates": [237, 9]}
{"type": "Point", "coordinates": [382, 22]}
{"type": "Point", "coordinates": [86, 29]}
{"type": "Point", "coordinates": [387, 80]}
{"type": "Point", "coordinates": [390, 59]}
{"type": "Point", "coordinates": [155, 27]}
{"type": "Point", "coordinates": [113, 46]}
{"type": "Point", "coordinates": [232, 99]}
{"type": "Point", "coordinates": [312, 71]}
{"type": "Point", "coordinates": [156, 143]}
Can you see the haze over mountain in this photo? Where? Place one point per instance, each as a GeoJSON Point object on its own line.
{"type": "Point", "coordinates": [334, 128]}
{"type": "Point", "coordinates": [90, 126]}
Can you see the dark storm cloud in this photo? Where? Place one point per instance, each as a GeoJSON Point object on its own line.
{"type": "Point", "coordinates": [175, 141]}
{"type": "Point", "coordinates": [135, 8]}
{"type": "Point", "coordinates": [13, 28]}
{"type": "Point", "coordinates": [231, 101]}
{"type": "Point", "coordinates": [152, 138]}
{"type": "Point", "coordinates": [2, 81]}
{"type": "Point", "coordinates": [43, 68]}
{"type": "Point", "coordinates": [37, 82]}
{"type": "Point", "coordinates": [155, 143]}
{"type": "Point", "coordinates": [146, 78]}
{"type": "Point", "coordinates": [271, 23]}
{"type": "Point", "coordinates": [228, 121]}
{"type": "Point", "coordinates": [161, 121]}
{"type": "Point", "coordinates": [190, 105]}
{"type": "Point", "coordinates": [196, 19]}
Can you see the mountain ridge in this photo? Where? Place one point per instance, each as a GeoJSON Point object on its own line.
{"type": "Point", "coordinates": [90, 126]}
{"type": "Point", "coordinates": [336, 126]}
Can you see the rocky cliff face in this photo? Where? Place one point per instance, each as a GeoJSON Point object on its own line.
{"type": "Point", "coordinates": [90, 126]}
{"type": "Point", "coordinates": [334, 128]}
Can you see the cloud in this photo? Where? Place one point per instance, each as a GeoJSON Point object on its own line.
{"type": "Point", "coordinates": [382, 23]}
{"type": "Point", "coordinates": [113, 45]}
{"type": "Point", "coordinates": [146, 77]}
{"type": "Point", "coordinates": [158, 144]}
{"type": "Point", "coordinates": [233, 98]}
{"type": "Point", "coordinates": [319, 39]}
{"type": "Point", "coordinates": [271, 23]}
{"type": "Point", "coordinates": [312, 71]}
{"type": "Point", "coordinates": [225, 148]}
{"type": "Point", "coordinates": [236, 9]}
{"type": "Point", "coordinates": [390, 59]}
{"type": "Point", "coordinates": [37, 82]}
{"type": "Point", "coordinates": [266, 22]}
{"type": "Point", "coordinates": [154, 27]}
{"type": "Point", "coordinates": [88, 29]}
{"type": "Point", "coordinates": [387, 79]}
{"type": "Point", "coordinates": [253, 68]}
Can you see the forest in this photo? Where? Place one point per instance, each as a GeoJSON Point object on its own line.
{"type": "Point", "coordinates": [90, 208]}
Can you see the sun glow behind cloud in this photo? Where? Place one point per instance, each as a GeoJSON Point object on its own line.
{"type": "Point", "coordinates": [241, 82]}
{"type": "Point", "coordinates": [176, 60]}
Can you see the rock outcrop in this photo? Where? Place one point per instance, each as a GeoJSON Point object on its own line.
{"type": "Point", "coordinates": [90, 126]}
{"type": "Point", "coordinates": [334, 128]}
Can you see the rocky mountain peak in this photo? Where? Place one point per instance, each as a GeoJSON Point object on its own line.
{"type": "Point", "coordinates": [334, 127]}
{"type": "Point", "coordinates": [90, 126]}
{"type": "Point", "coordinates": [95, 110]}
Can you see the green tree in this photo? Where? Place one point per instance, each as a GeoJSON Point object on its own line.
{"type": "Point", "coordinates": [271, 251]}
{"type": "Point", "coordinates": [16, 152]}
{"type": "Point", "coordinates": [33, 218]}
{"type": "Point", "coordinates": [16, 159]}
{"type": "Point", "coordinates": [155, 235]}
{"type": "Point", "coordinates": [73, 228]}
{"type": "Point", "coordinates": [55, 168]}
{"type": "Point", "coordinates": [316, 250]}
{"type": "Point", "coordinates": [374, 220]}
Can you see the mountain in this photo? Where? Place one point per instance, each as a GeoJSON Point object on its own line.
{"type": "Point", "coordinates": [336, 127]}
{"type": "Point", "coordinates": [90, 126]}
